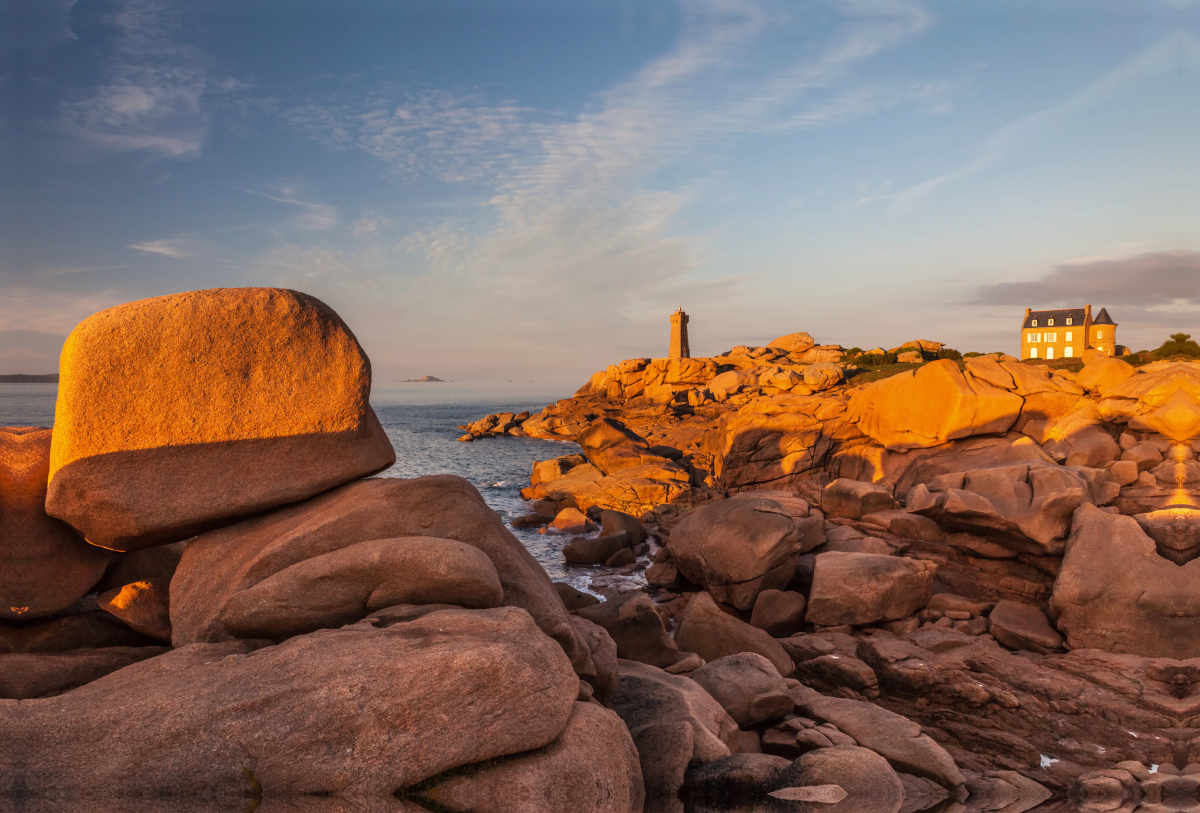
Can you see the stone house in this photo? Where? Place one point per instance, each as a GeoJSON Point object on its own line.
{"type": "Point", "coordinates": [1067, 333]}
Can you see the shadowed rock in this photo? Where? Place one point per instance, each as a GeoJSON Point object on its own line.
{"type": "Point", "coordinates": [359, 712]}
{"type": "Point", "coordinates": [220, 564]}
{"type": "Point", "coordinates": [44, 566]}
{"type": "Point", "coordinates": [345, 585]}
{"type": "Point", "coordinates": [592, 766]}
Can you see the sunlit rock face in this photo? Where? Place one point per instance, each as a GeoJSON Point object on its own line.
{"type": "Point", "coordinates": [1175, 531]}
{"type": "Point", "coordinates": [44, 566]}
{"type": "Point", "coordinates": [185, 412]}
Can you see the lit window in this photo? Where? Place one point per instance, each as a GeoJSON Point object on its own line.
{"type": "Point", "coordinates": [1033, 323]}
{"type": "Point", "coordinates": [1033, 352]}
{"type": "Point", "coordinates": [1050, 322]}
{"type": "Point", "coordinates": [1069, 352]}
{"type": "Point", "coordinates": [1099, 334]}
{"type": "Point", "coordinates": [1070, 321]}
{"type": "Point", "coordinates": [1068, 333]}
{"type": "Point", "coordinates": [1049, 352]}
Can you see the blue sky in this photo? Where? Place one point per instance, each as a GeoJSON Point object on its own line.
{"type": "Point", "coordinates": [525, 190]}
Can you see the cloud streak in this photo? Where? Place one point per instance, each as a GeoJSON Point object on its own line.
{"type": "Point", "coordinates": [1165, 280]}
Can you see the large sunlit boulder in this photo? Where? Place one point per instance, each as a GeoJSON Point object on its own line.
{"type": "Point", "coordinates": [185, 412]}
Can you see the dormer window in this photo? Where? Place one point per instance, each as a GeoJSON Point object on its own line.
{"type": "Point", "coordinates": [1033, 323]}
{"type": "Point", "coordinates": [1050, 322]}
{"type": "Point", "coordinates": [1070, 321]}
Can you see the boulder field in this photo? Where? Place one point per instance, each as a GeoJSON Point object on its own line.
{"type": "Point", "coordinates": [999, 555]}
{"type": "Point", "coordinates": [209, 598]}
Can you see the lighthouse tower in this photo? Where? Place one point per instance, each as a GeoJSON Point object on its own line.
{"type": "Point", "coordinates": [679, 337]}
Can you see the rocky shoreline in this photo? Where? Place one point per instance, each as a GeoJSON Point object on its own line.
{"type": "Point", "coordinates": [995, 551]}
{"type": "Point", "coordinates": [946, 590]}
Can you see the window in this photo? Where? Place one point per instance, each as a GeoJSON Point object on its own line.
{"type": "Point", "coordinates": [1051, 337]}
{"type": "Point", "coordinates": [1070, 321]}
{"type": "Point", "coordinates": [1035, 337]}
{"type": "Point", "coordinates": [1068, 333]}
{"type": "Point", "coordinates": [1050, 322]}
{"type": "Point", "coordinates": [1033, 352]}
{"type": "Point", "coordinates": [1033, 323]}
{"type": "Point", "coordinates": [1049, 352]}
{"type": "Point", "coordinates": [1099, 333]}
{"type": "Point", "coordinates": [1070, 351]}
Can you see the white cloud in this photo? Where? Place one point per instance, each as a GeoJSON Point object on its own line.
{"type": "Point", "coordinates": [312, 216]}
{"type": "Point", "coordinates": [167, 248]}
{"type": "Point", "coordinates": [578, 222]}
{"type": "Point", "coordinates": [151, 99]}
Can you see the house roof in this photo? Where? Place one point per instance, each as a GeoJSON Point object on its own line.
{"type": "Point", "coordinates": [1077, 316]}
{"type": "Point", "coordinates": [1103, 318]}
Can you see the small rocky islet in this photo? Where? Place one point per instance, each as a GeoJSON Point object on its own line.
{"type": "Point", "coordinates": [962, 587]}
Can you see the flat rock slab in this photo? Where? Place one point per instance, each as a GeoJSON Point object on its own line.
{"type": "Point", "coordinates": [23, 677]}
{"type": "Point", "coordinates": [184, 412]}
{"type": "Point", "coordinates": [357, 712]}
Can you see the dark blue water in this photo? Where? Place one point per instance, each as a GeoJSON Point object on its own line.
{"type": "Point", "coordinates": [422, 422]}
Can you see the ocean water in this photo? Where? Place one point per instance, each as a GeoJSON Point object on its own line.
{"type": "Point", "coordinates": [422, 420]}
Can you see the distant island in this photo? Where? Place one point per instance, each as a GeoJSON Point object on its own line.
{"type": "Point", "coordinates": [423, 379]}
{"type": "Point", "coordinates": [49, 378]}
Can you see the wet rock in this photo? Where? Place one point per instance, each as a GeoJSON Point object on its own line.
{"type": "Point", "coordinates": [617, 522]}
{"type": "Point", "coordinates": [534, 520]}
{"type": "Point", "coordinates": [597, 550]}
{"type": "Point", "coordinates": [748, 686]}
{"type": "Point", "coordinates": [737, 548]}
{"type": "Point", "coordinates": [571, 521]}
{"type": "Point", "coordinates": [185, 412]}
{"type": "Point", "coordinates": [346, 584]}
{"type": "Point", "coordinates": [711, 634]}
{"type": "Point", "coordinates": [574, 599]}
{"type": "Point", "coordinates": [863, 588]}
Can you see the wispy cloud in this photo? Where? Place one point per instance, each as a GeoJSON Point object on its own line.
{"type": "Point", "coordinates": [312, 216]}
{"type": "Point", "coordinates": [151, 99]}
{"type": "Point", "coordinates": [578, 216]}
{"type": "Point", "coordinates": [168, 248]}
{"type": "Point", "coordinates": [1178, 53]}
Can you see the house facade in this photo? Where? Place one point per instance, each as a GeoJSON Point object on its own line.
{"type": "Point", "coordinates": [1066, 333]}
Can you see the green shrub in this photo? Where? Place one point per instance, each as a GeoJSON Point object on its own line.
{"type": "Point", "coordinates": [1180, 344]}
{"type": "Point", "coordinates": [950, 353]}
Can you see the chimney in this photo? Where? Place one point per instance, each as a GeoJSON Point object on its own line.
{"type": "Point", "coordinates": [1087, 314]}
{"type": "Point", "coordinates": [1027, 312]}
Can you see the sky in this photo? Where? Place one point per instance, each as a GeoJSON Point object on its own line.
{"type": "Point", "coordinates": [525, 190]}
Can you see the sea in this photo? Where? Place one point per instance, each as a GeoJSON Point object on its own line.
{"type": "Point", "coordinates": [422, 420]}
